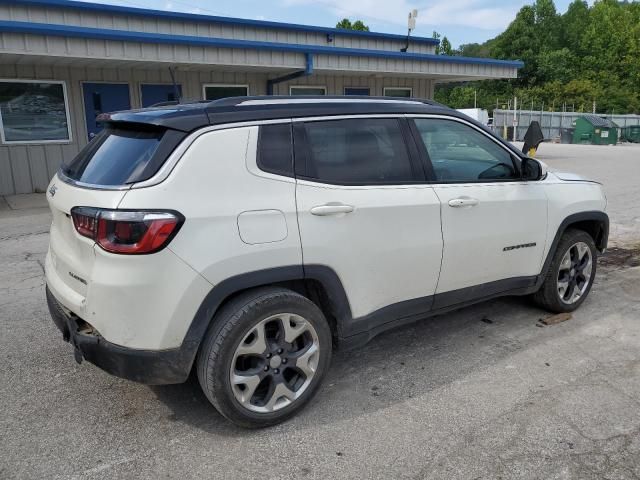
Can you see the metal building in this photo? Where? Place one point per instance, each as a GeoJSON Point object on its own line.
{"type": "Point", "coordinates": [63, 62]}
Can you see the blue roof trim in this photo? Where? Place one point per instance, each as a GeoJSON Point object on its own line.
{"type": "Point", "coordinates": [102, 8]}
{"type": "Point", "coordinates": [162, 38]}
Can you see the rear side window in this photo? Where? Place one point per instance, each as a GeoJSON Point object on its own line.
{"type": "Point", "coordinates": [119, 156]}
{"type": "Point", "coordinates": [357, 151]}
{"type": "Point", "coordinates": [275, 149]}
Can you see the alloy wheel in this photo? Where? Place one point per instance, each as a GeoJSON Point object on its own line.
{"type": "Point", "coordinates": [274, 363]}
{"type": "Point", "coordinates": [575, 272]}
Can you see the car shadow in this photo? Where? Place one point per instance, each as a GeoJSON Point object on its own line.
{"type": "Point", "coordinates": [399, 364]}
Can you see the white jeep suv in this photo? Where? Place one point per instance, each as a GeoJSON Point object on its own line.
{"type": "Point", "coordinates": [248, 237]}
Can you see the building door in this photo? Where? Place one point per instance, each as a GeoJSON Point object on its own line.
{"type": "Point", "coordinates": [159, 93]}
{"type": "Point", "coordinates": [103, 98]}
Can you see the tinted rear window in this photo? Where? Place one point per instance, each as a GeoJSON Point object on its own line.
{"type": "Point", "coordinates": [118, 156]}
{"type": "Point", "coordinates": [274, 149]}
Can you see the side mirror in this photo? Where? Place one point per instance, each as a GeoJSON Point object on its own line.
{"type": "Point", "coordinates": [533, 169]}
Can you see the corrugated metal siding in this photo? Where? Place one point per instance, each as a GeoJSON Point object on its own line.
{"type": "Point", "coordinates": [18, 43]}
{"type": "Point", "coordinates": [28, 168]}
{"type": "Point", "coordinates": [61, 16]}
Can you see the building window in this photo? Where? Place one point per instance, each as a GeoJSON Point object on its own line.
{"type": "Point", "coordinates": [34, 112]}
{"type": "Point", "coordinates": [298, 90]}
{"type": "Point", "coordinates": [397, 92]}
{"type": "Point", "coordinates": [159, 93]}
{"type": "Point", "coordinates": [364, 91]}
{"type": "Point", "coordinates": [214, 92]}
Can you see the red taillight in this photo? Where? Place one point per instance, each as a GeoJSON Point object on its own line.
{"type": "Point", "coordinates": [127, 232]}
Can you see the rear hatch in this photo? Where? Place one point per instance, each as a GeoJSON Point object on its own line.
{"type": "Point", "coordinates": [99, 176]}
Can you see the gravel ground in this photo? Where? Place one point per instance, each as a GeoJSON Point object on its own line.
{"type": "Point", "coordinates": [485, 392]}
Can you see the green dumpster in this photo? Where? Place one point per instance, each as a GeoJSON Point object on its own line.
{"type": "Point", "coordinates": [594, 130]}
{"type": "Point", "coordinates": [631, 133]}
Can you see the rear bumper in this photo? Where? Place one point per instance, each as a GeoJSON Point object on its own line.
{"type": "Point", "coordinates": [145, 366]}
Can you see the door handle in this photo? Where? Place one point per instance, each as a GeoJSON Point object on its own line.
{"type": "Point", "coordinates": [463, 202]}
{"type": "Point", "coordinates": [331, 209]}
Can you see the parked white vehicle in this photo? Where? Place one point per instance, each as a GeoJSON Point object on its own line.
{"type": "Point", "coordinates": [478, 114]}
{"type": "Point", "coordinates": [248, 237]}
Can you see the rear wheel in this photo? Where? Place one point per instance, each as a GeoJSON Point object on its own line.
{"type": "Point", "coordinates": [571, 273]}
{"type": "Point", "coordinates": [265, 356]}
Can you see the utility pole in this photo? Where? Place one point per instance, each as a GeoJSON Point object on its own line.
{"type": "Point", "coordinates": [594, 105]}
{"type": "Point", "coordinates": [475, 98]}
{"type": "Point", "coordinates": [515, 119]}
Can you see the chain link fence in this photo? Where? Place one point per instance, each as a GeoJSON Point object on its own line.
{"type": "Point", "coordinates": [556, 126]}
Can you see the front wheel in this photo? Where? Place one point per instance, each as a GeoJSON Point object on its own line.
{"type": "Point", "coordinates": [265, 356]}
{"type": "Point", "coordinates": [571, 273]}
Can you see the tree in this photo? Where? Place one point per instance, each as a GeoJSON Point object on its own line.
{"type": "Point", "coordinates": [588, 53]}
{"type": "Point", "coordinates": [345, 24]}
{"type": "Point", "coordinates": [445, 47]}
{"type": "Point", "coordinates": [475, 50]}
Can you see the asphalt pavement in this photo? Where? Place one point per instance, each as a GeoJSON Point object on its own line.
{"type": "Point", "coordinates": [486, 392]}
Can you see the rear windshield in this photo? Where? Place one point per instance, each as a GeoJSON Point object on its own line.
{"type": "Point", "coordinates": [118, 156]}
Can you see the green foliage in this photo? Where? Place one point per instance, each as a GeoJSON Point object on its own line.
{"type": "Point", "coordinates": [445, 47]}
{"type": "Point", "coordinates": [586, 54]}
{"type": "Point", "coordinates": [346, 24]}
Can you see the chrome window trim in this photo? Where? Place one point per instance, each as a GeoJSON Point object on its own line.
{"type": "Point", "coordinates": [306, 101]}
{"type": "Point", "coordinates": [177, 154]}
{"type": "Point", "coordinates": [89, 186]}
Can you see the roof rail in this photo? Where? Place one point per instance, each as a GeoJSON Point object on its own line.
{"type": "Point", "coordinates": [313, 99]}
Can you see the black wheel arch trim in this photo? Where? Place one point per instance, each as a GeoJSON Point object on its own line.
{"type": "Point", "coordinates": [357, 331]}
{"type": "Point", "coordinates": [231, 286]}
{"type": "Point", "coordinates": [601, 240]}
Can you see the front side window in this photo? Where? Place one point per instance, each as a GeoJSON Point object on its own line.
{"type": "Point", "coordinates": [33, 112]}
{"type": "Point", "coordinates": [357, 151]}
{"type": "Point", "coordinates": [459, 153]}
{"type": "Point", "coordinates": [216, 92]}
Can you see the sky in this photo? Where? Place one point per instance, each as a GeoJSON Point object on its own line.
{"type": "Point", "coordinates": [462, 21]}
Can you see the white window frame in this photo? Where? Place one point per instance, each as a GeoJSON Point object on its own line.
{"type": "Point", "coordinates": [65, 96]}
{"type": "Point", "coordinates": [222, 85]}
{"type": "Point", "coordinates": [300, 87]}
{"type": "Point", "coordinates": [409, 89]}
{"type": "Point", "coordinates": [344, 90]}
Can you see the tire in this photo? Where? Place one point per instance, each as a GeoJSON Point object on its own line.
{"type": "Point", "coordinates": [272, 379]}
{"type": "Point", "coordinates": [551, 295]}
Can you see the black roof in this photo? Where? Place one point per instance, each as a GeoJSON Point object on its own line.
{"type": "Point", "coordinates": [191, 116]}
{"type": "Point", "coordinates": [599, 121]}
